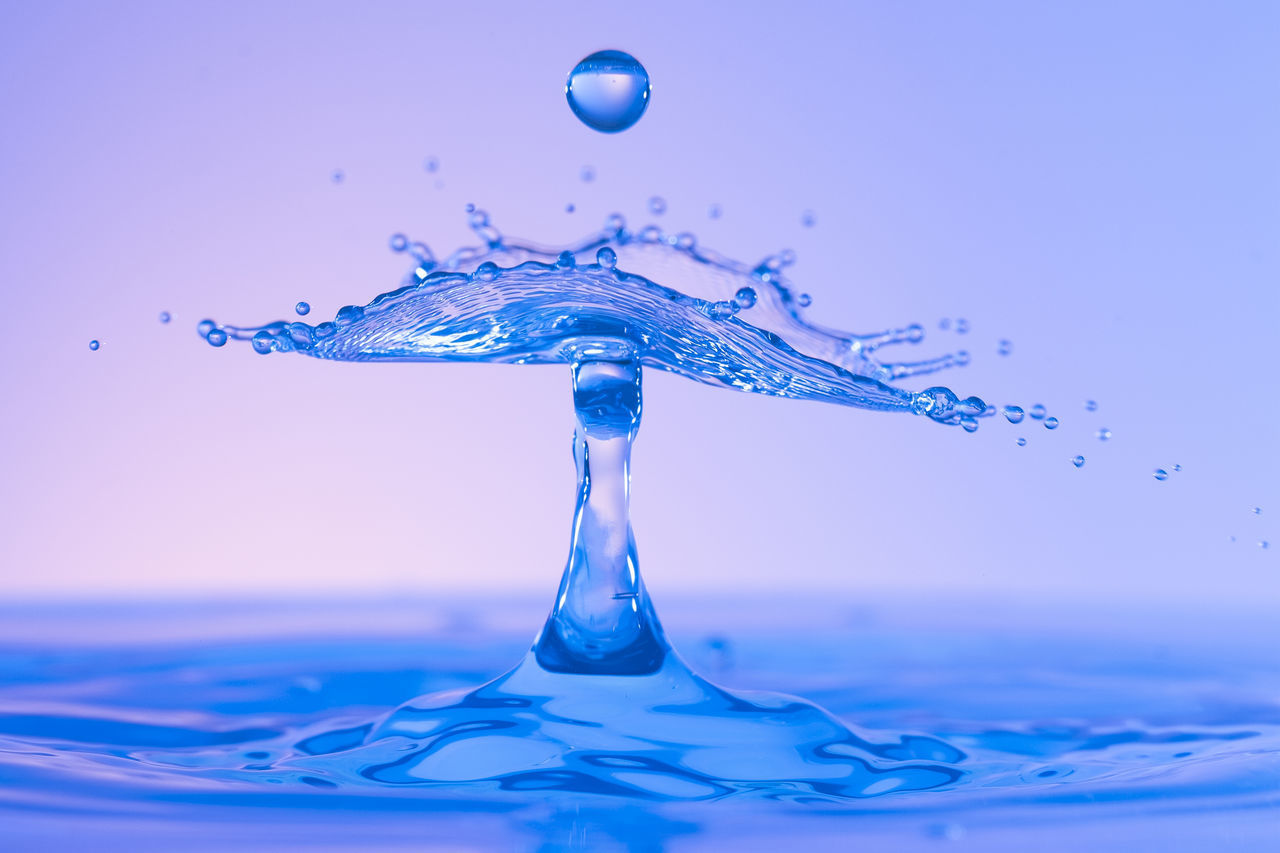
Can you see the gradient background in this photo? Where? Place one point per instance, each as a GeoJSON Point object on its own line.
{"type": "Point", "coordinates": [1096, 182]}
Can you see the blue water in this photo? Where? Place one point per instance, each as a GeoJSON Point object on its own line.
{"type": "Point", "coordinates": [608, 91]}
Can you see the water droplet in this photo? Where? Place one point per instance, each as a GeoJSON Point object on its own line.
{"type": "Point", "coordinates": [216, 338]}
{"type": "Point", "coordinates": [807, 219]}
{"type": "Point", "coordinates": [1004, 348]}
{"type": "Point", "coordinates": [608, 91]}
{"type": "Point", "coordinates": [1263, 544]}
{"type": "Point", "coordinates": [566, 261]}
{"type": "Point", "coordinates": [1013, 414]}
{"type": "Point", "coordinates": [569, 208]}
{"type": "Point", "coordinates": [944, 324]}
{"type": "Point", "coordinates": [263, 342]}
{"type": "Point", "coordinates": [1257, 510]}
{"type": "Point", "coordinates": [962, 358]}
{"type": "Point", "coordinates": [1022, 442]}
{"type": "Point", "coordinates": [1177, 468]}
{"type": "Point", "coordinates": [1104, 434]}
{"type": "Point", "coordinates": [962, 326]}
{"type": "Point", "coordinates": [1050, 422]}
{"type": "Point", "coordinates": [1161, 474]}
{"type": "Point", "coordinates": [487, 271]}
{"type": "Point", "coordinates": [398, 242]}
{"type": "Point", "coordinates": [804, 300]}
{"type": "Point", "coordinates": [745, 297]}
{"type": "Point", "coordinates": [431, 164]}
{"type": "Point", "coordinates": [1078, 461]}
{"type": "Point", "coordinates": [303, 308]}
{"type": "Point", "coordinates": [338, 176]}
{"type": "Point", "coordinates": [1037, 412]}
{"type": "Point", "coordinates": [1091, 405]}
{"type": "Point", "coordinates": [165, 316]}
{"type": "Point", "coordinates": [657, 205]}
{"type": "Point", "coordinates": [588, 174]}
{"type": "Point", "coordinates": [715, 211]}
{"type": "Point", "coordinates": [205, 327]}
{"type": "Point", "coordinates": [915, 333]}
{"type": "Point", "coordinates": [969, 423]}
{"type": "Point", "coordinates": [93, 345]}
{"type": "Point", "coordinates": [607, 257]}
{"type": "Point", "coordinates": [615, 224]}
{"type": "Point", "coordinates": [469, 208]}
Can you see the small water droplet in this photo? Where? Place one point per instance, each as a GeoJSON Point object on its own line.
{"type": "Point", "coordinates": [608, 91]}
{"type": "Point", "coordinates": [338, 176]}
{"type": "Point", "coordinates": [944, 324]}
{"type": "Point", "coordinates": [1264, 544]}
{"type": "Point", "coordinates": [488, 271]}
{"type": "Point", "coordinates": [807, 219]}
{"type": "Point", "coordinates": [969, 423]}
{"type": "Point", "coordinates": [715, 211]}
{"type": "Point", "coordinates": [303, 308]}
{"type": "Point", "coordinates": [1161, 474]}
{"type": "Point", "coordinates": [569, 208]}
{"type": "Point", "coordinates": [1257, 510]}
{"type": "Point", "coordinates": [962, 326]}
{"type": "Point", "coordinates": [962, 358]}
{"type": "Point", "coordinates": [1013, 414]}
{"type": "Point", "coordinates": [1038, 412]}
{"type": "Point", "coordinates": [1091, 405]}
{"type": "Point", "coordinates": [657, 205]}
{"type": "Point", "coordinates": [1177, 468]}
{"type": "Point", "coordinates": [431, 164]}
{"type": "Point", "coordinates": [915, 333]}
{"type": "Point", "coordinates": [165, 316]}
{"type": "Point", "coordinates": [745, 297]}
{"type": "Point", "coordinates": [1050, 422]}
{"type": "Point", "coordinates": [1104, 434]}
{"type": "Point", "coordinates": [469, 208]}
{"type": "Point", "coordinates": [262, 342]}
{"type": "Point", "coordinates": [205, 327]}
{"type": "Point", "coordinates": [216, 338]}
{"type": "Point", "coordinates": [566, 260]}
{"type": "Point", "coordinates": [607, 257]}
{"type": "Point", "coordinates": [398, 242]}
{"type": "Point", "coordinates": [93, 345]}
{"type": "Point", "coordinates": [1078, 461]}
{"type": "Point", "coordinates": [1022, 442]}
{"type": "Point", "coordinates": [588, 174]}
{"type": "Point", "coordinates": [804, 300]}
{"type": "Point", "coordinates": [1004, 348]}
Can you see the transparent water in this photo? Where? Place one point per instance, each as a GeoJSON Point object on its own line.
{"type": "Point", "coordinates": [608, 91]}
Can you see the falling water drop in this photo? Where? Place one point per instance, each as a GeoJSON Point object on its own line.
{"type": "Point", "coordinates": [398, 242]}
{"type": "Point", "coordinates": [657, 205]}
{"type": "Point", "coordinates": [1013, 414]}
{"type": "Point", "coordinates": [804, 300]}
{"type": "Point", "coordinates": [569, 208]}
{"type": "Point", "coordinates": [1037, 412]}
{"type": "Point", "coordinates": [1022, 442]}
{"type": "Point", "coordinates": [1078, 461]}
{"type": "Point", "coordinates": [338, 176]}
{"type": "Point", "coordinates": [962, 326]}
{"type": "Point", "coordinates": [165, 316]}
{"type": "Point", "coordinates": [262, 342]}
{"type": "Point", "coordinates": [745, 297]}
{"type": "Point", "coordinates": [216, 337]}
{"type": "Point", "coordinates": [588, 174]}
{"type": "Point", "coordinates": [1050, 423]}
{"type": "Point", "coordinates": [1091, 405]}
{"type": "Point", "coordinates": [807, 219]}
{"type": "Point", "coordinates": [1004, 348]}
{"type": "Point", "coordinates": [1263, 544]}
{"type": "Point", "coordinates": [431, 164]}
{"type": "Point", "coordinates": [93, 345]}
{"type": "Point", "coordinates": [1104, 434]}
{"type": "Point", "coordinates": [715, 211]}
{"type": "Point", "coordinates": [944, 324]}
{"type": "Point", "coordinates": [608, 91]}
{"type": "Point", "coordinates": [1257, 510]}
{"type": "Point", "coordinates": [303, 308]}
{"type": "Point", "coordinates": [1161, 474]}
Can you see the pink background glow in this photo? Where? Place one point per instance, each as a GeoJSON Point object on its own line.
{"type": "Point", "coordinates": [1095, 182]}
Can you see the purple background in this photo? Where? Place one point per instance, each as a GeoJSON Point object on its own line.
{"type": "Point", "coordinates": [1096, 182]}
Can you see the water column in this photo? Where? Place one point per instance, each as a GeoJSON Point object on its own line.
{"type": "Point", "coordinates": [602, 622]}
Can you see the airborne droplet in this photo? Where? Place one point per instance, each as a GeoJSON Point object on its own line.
{"type": "Point", "coordinates": [608, 91]}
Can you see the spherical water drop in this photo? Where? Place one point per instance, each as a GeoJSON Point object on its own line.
{"type": "Point", "coordinates": [165, 316]}
{"type": "Point", "coordinates": [745, 297]}
{"type": "Point", "coordinates": [588, 174]}
{"type": "Point", "coordinates": [807, 219]}
{"type": "Point", "coordinates": [569, 208]}
{"type": "Point", "coordinates": [607, 257]}
{"type": "Point", "coordinates": [1022, 442]}
{"type": "Point", "coordinates": [93, 345]}
{"type": "Point", "coordinates": [915, 333]}
{"type": "Point", "coordinates": [1104, 434]}
{"type": "Point", "coordinates": [657, 205]}
{"type": "Point", "coordinates": [1004, 348]}
{"type": "Point", "coordinates": [566, 261]}
{"type": "Point", "coordinates": [1257, 510]}
{"type": "Point", "coordinates": [303, 308]}
{"type": "Point", "coordinates": [608, 91]}
{"type": "Point", "coordinates": [1264, 544]}
{"type": "Point", "coordinates": [1161, 474]}
{"type": "Point", "coordinates": [804, 300]}
{"type": "Point", "coordinates": [262, 342]}
{"type": "Point", "coordinates": [469, 208]}
{"type": "Point", "coordinates": [431, 164]}
{"type": "Point", "coordinates": [1078, 461]}
{"type": "Point", "coordinates": [338, 176]}
{"type": "Point", "coordinates": [1013, 414]}
{"type": "Point", "coordinates": [398, 242]}
{"type": "Point", "coordinates": [216, 338]}
{"type": "Point", "coordinates": [1091, 405]}
{"type": "Point", "coordinates": [1050, 423]}
{"type": "Point", "coordinates": [487, 271]}
{"type": "Point", "coordinates": [205, 327]}
{"type": "Point", "coordinates": [969, 423]}
{"type": "Point", "coordinates": [1177, 468]}
{"type": "Point", "coordinates": [1038, 412]}
{"type": "Point", "coordinates": [715, 211]}
{"type": "Point", "coordinates": [962, 326]}
{"type": "Point", "coordinates": [944, 324]}
{"type": "Point", "coordinates": [962, 358]}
